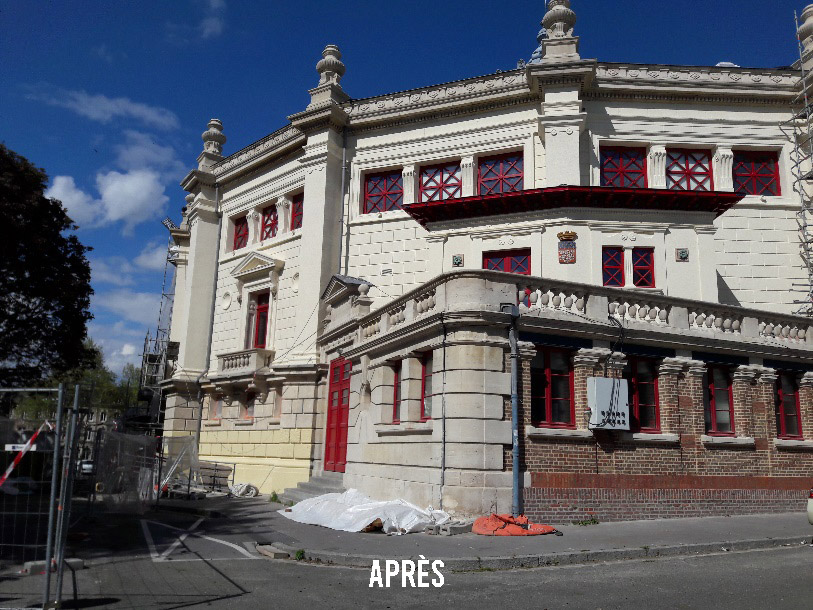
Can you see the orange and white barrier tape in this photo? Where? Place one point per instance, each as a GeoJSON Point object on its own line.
{"type": "Point", "coordinates": [23, 451]}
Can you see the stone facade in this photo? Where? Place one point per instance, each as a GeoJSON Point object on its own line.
{"type": "Point", "coordinates": [289, 236]}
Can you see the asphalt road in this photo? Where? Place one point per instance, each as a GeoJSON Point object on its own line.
{"type": "Point", "coordinates": [201, 572]}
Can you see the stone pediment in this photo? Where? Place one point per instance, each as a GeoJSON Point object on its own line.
{"type": "Point", "coordinates": [342, 286]}
{"type": "Point", "coordinates": [256, 265]}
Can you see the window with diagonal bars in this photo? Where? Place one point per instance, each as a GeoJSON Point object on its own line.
{"type": "Point", "coordinates": [270, 223]}
{"type": "Point", "coordinates": [623, 167]}
{"type": "Point", "coordinates": [383, 192]}
{"type": "Point", "coordinates": [297, 205]}
{"type": "Point", "coordinates": [643, 267]}
{"type": "Point", "coordinates": [689, 170]}
{"type": "Point", "coordinates": [441, 182]}
{"type": "Point", "coordinates": [510, 261]}
{"type": "Point", "coordinates": [612, 266]}
{"type": "Point", "coordinates": [240, 233]}
{"type": "Point", "coordinates": [500, 174]}
{"type": "Point", "coordinates": [757, 173]}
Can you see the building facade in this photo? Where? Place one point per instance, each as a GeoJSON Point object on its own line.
{"type": "Point", "coordinates": [345, 288]}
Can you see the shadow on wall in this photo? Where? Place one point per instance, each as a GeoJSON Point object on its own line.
{"type": "Point", "coordinates": [725, 296]}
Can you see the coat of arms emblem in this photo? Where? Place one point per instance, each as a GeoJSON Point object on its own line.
{"type": "Point", "coordinates": [567, 247]}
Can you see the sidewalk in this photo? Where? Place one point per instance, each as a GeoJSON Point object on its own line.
{"type": "Point", "coordinates": [579, 544]}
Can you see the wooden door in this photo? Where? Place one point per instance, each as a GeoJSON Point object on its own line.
{"type": "Point", "coordinates": [338, 412]}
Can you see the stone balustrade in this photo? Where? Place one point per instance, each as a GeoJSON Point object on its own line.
{"type": "Point", "coordinates": [245, 361]}
{"type": "Point", "coordinates": [474, 290]}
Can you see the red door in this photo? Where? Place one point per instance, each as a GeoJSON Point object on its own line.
{"type": "Point", "coordinates": [338, 411]}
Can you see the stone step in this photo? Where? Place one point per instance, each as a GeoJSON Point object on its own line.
{"type": "Point", "coordinates": [324, 483]}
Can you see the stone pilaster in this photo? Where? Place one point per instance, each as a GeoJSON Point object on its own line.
{"type": "Point", "coordinates": [723, 169]}
{"type": "Point", "coordinates": [657, 166]}
{"type": "Point", "coordinates": [742, 385]}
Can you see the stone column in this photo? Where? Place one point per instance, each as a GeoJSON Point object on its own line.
{"type": "Point", "coordinates": [742, 389]}
{"type": "Point", "coordinates": [410, 183]}
{"type": "Point", "coordinates": [657, 166]}
{"type": "Point", "coordinates": [468, 176]}
{"type": "Point", "coordinates": [588, 362]}
{"type": "Point", "coordinates": [723, 169]}
{"type": "Point", "coordinates": [764, 413]}
{"type": "Point", "coordinates": [669, 373]}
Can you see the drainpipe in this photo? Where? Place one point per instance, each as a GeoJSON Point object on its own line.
{"type": "Point", "coordinates": [341, 208]}
{"type": "Point", "coordinates": [443, 416]}
{"type": "Point", "coordinates": [516, 504]}
{"type": "Point", "coordinates": [212, 321]}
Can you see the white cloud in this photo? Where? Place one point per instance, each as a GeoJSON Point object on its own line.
{"type": "Point", "coordinates": [216, 5]}
{"type": "Point", "coordinates": [133, 197]}
{"type": "Point", "coordinates": [128, 349]}
{"type": "Point", "coordinates": [211, 27]}
{"type": "Point", "coordinates": [115, 270]}
{"type": "Point", "coordinates": [119, 343]}
{"type": "Point", "coordinates": [82, 209]}
{"type": "Point", "coordinates": [153, 257]}
{"type": "Point", "coordinates": [132, 306]}
{"type": "Point", "coordinates": [140, 150]}
{"type": "Point", "coordinates": [104, 109]}
{"type": "Point", "coordinates": [102, 52]}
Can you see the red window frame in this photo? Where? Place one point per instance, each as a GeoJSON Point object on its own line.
{"type": "Point", "coordinates": [383, 192]}
{"type": "Point", "coordinates": [623, 167]}
{"type": "Point", "coordinates": [643, 267]}
{"type": "Point", "coordinates": [542, 401]}
{"type": "Point", "coordinates": [500, 174]}
{"type": "Point", "coordinates": [427, 362]}
{"type": "Point", "coordinates": [634, 378]}
{"type": "Point", "coordinates": [270, 223]}
{"type": "Point", "coordinates": [712, 427]}
{"type": "Point", "coordinates": [757, 172]}
{"type": "Point", "coordinates": [441, 182]}
{"type": "Point", "coordinates": [612, 266]}
{"type": "Point", "coordinates": [240, 233]}
{"type": "Point", "coordinates": [261, 320]}
{"type": "Point", "coordinates": [781, 411]}
{"type": "Point", "coordinates": [510, 261]}
{"type": "Point", "coordinates": [297, 205]}
{"type": "Point", "coordinates": [396, 394]}
{"type": "Point", "coordinates": [689, 170]}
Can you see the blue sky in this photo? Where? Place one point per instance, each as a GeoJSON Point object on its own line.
{"type": "Point", "coordinates": [110, 98]}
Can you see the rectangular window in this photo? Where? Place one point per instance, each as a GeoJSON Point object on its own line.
{"type": "Point", "coordinates": [216, 408]}
{"type": "Point", "coordinates": [643, 267]}
{"type": "Point", "coordinates": [623, 167]}
{"type": "Point", "coordinates": [642, 376]}
{"type": "Point", "coordinates": [552, 392]}
{"type": "Point", "coordinates": [248, 407]}
{"type": "Point", "coordinates": [689, 170]}
{"type": "Point", "coordinates": [510, 261]}
{"type": "Point", "coordinates": [441, 182]}
{"type": "Point", "coordinates": [297, 205]}
{"type": "Point", "coordinates": [383, 192]}
{"type": "Point", "coordinates": [396, 394]}
{"type": "Point", "coordinates": [500, 174]}
{"type": "Point", "coordinates": [270, 223]}
{"type": "Point", "coordinates": [612, 265]}
{"type": "Point", "coordinates": [240, 233]}
{"type": "Point", "coordinates": [261, 320]}
{"type": "Point", "coordinates": [788, 414]}
{"type": "Point", "coordinates": [103, 416]}
{"type": "Point", "coordinates": [756, 173]}
{"type": "Point", "coordinates": [719, 403]}
{"type": "Point", "coordinates": [427, 392]}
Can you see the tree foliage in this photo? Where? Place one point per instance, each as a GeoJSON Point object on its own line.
{"type": "Point", "coordinates": [44, 279]}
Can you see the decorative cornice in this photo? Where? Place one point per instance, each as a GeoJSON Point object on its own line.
{"type": "Point", "coordinates": [270, 145]}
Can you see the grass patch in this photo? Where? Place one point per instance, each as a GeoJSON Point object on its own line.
{"type": "Point", "coordinates": [586, 522]}
{"type": "Point", "coordinates": [300, 555]}
{"type": "Point", "coordinates": [274, 497]}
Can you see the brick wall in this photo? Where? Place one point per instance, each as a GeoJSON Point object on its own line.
{"type": "Point", "coordinates": [614, 476]}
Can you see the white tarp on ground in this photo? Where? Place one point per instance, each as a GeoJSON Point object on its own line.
{"type": "Point", "coordinates": [352, 511]}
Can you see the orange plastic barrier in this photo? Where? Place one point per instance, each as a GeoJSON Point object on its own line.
{"type": "Point", "coordinates": [506, 525]}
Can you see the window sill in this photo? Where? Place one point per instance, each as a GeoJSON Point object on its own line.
{"type": "Point", "coordinates": [278, 240]}
{"type": "Point", "coordinates": [404, 429]}
{"type": "Point", "coordinates": [244, 422]}
{"type": "Point", "coordinates": [212, 423]}
{"type": "Point", "coordinates": [651, 438]}
{"type": "Point", "coordinates": [789, 443]}
{"type": "Point", "coordinates": [535, 433]}
{"type": "Point", "coordinates": [727, 441]}
{"type": "Point", "coordinates": [374, 217]}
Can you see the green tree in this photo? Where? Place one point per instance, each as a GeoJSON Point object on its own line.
{"type": "Point", "coordinates": [44, 279]}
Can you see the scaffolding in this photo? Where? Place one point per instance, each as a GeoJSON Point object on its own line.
{"type": "Point", "coordinates": [159, 354]}
{"type": "Point", "coordinates": [799, 130]}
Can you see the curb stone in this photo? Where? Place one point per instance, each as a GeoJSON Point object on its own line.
{"type": "Point", "coordinates": [465, 564]}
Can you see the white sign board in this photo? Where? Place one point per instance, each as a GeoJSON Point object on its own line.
{"type": "Point", "coordinates": [20, 447]}
{"type": "Point", "coordinates": [608, 400]}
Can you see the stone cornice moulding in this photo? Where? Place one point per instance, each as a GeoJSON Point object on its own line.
{"type": "Point", "coordinates": [269, 146]}
{"type": "Point", "coordinates": [652, 75]}
{"type": "Point", "coordinates": [272, 188]}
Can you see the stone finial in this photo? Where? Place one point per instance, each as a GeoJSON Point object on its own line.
{"type": "Point", "coordinates": [213, 138]}
{"type": "Point", "coordinates": [330, 67]}
{"type": "Point", "coordinates": [805, 31]}
{"type": "Point", "coordinates": [558, 22]}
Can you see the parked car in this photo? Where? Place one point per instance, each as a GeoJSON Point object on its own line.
{"type": "Point", "coordinates": [810, 507]}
